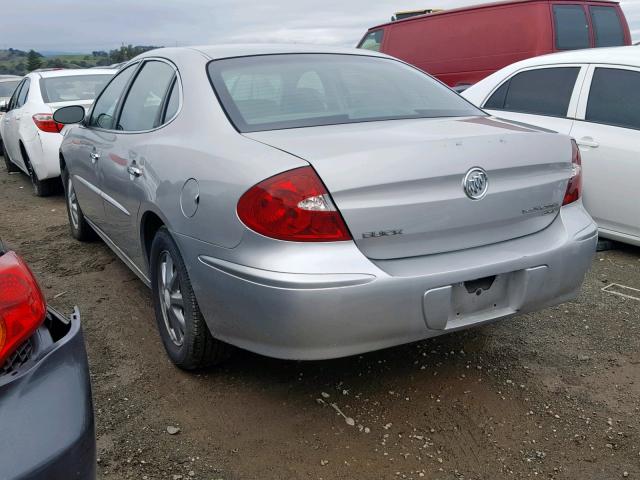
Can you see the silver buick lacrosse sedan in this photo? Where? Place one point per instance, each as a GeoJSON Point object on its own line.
{"type": "Point", "coordinates": [310, 203]}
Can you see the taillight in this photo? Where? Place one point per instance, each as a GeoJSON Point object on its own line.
{"type": "Point", "coordinates": [574, 188]}
{"type": "Point", "coordinates": [45, 122]}
{"type": "Point", "coordinates": [22, 305]}
{"type": "Point", "coordinates": [295, 206]}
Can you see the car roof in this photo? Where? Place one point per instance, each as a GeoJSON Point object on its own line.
{"type": "Point", "coordinates": [629, 55]}
{"type": "Point", "coordinates": [67, 72]}
{"type": "Point", "coordinates": [243, 50]}
{"type": "Point", "coordinates": [479, 6]}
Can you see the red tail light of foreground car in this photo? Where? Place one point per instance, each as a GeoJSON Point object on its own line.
{"type": "Point", "coordinates": [22, 305]}
{"type": "Point", "coordinates": [295, 206]}
{"type": "Point", "coordinates": [574, 188]}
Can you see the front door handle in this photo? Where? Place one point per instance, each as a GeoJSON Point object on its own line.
{"type": "Point", "coordinates": [134, 171]}
{"type": "Point", "coordinates": [588, 142]}
{"type": "Point", "coordinates": [94, 157]}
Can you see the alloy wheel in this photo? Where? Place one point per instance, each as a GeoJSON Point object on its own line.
{"type": "Point", "coordinates": [72, 200]}
{"type": "Point", "coordinates": [171, 300]}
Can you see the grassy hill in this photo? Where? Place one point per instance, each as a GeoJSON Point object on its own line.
{"type": "Point", "coordinates": [14, 62]}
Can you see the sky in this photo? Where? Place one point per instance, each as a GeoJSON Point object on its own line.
{"type": "Point", "coordinates": [87, 25]}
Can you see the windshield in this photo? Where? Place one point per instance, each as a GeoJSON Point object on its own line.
{"type": "Point", "coordinates": [72, 88]}
{"type": "Point", "coordinates": [271, 92]}
{"type": "Point", "coordinates": [7, 88]}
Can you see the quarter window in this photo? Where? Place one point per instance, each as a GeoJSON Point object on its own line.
{"type": "Point", "coordinates": [614, 98]}
{"type": "Point", "coordinates": [372, 41]}
{"type": "Point", "coordinates": [530, 92]}
{"type": "Point", "coordinates": [22, 96]}
{"type": "Point", "coordinates": [572, 28]}
{"type": "Point", "coordinates": [104, 109]}
{"type": "Point", "coordinates": [142, 107]}
{"type": "Point", "coordinates": [173, 102]}
{"type": "Point", "coordinates": [606, 26]}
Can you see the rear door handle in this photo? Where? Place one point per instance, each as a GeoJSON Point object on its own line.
{"type": "Point", "coordinates": [133, 170]}
{"type": "Point", "coordinates": [588, 142]}
{"type": "Point", "coordinates": [94, 157]}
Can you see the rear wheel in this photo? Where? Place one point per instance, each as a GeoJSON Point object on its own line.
{"type": "Point", "coordinates": [184, 333]}
{"type": "Point", "coordinates": [11, 167]}
{"type": "Point", "coordinates": [80, 228]}
{"type": "Point", "coordinates": [42, 188]}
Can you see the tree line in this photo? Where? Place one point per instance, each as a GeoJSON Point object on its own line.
{"type": "Point", "coordinates": [18, 62]}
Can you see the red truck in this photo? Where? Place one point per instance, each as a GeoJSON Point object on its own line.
{"type": "Point", "coordinates": [464, 45]}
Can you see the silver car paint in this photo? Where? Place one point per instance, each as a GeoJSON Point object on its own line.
{"type": "Point", "coordinates": [312, 301]}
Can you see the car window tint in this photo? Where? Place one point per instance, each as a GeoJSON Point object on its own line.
{"type": "Point", "coordinates": [606, 26]}
{"type": "Point", "coordinates": [614, 98]}
{"type": "Point", "coordinates": [16, 94]}
{"type": "Point", "coordinates": [530, 92]}
{"type": "Point", "coordinates": [70, 88]}
{"type": "Point", "coordinates": [496, 100]}
{"type": "Point", "coordinates": [372, 41]}
{"type": "Point", "coordinates": [24, 91]}
{"type": "Point", "coordinates": [173, 102]}
{"type": "Point", "coordinates": [572, 28]}
{"type": "Point", "coordinates": [269, 92]}
{"type": "Point", "coordinates": [141, 109]}
{"type": "Point", "coordinates": [104, 109]}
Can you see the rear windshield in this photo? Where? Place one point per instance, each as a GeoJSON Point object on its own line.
{"type": "Point", "coordinates": [271, 92]}
{"type": "Point", "coordinates": [7, 88]}
{"type": "Point", "coordinates": [72, 88]}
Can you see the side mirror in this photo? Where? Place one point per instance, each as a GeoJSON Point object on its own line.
{"type": "Point", "coordinates": [69, 115]}
{"type": "Point", "coordinates": [4, 106]}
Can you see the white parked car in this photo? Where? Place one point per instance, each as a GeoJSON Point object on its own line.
{"type": "Point", "coordinates": [30, 137]}
{"type": "Point", "coordinates": [594, 96]}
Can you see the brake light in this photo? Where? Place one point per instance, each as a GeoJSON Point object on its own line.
{"type": "Point", "coordinates": [45, 122]}
{"type": "Point", "coordinates": [22, 305]}
{"type": "Point", "coordinates": [294, 206]}
{"type": "Point", "coordinates": [574, 188]}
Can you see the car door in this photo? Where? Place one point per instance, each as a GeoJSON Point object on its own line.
{"type": "Point", "coordinates": [527, 96]}
{"type": "Point", "coordinates": [95, 135]}
{"type": "Point", "coordinates": [7, 118]}
{"type": "Point", "coordinates": [608, 134]}
{"type": "Point", "coordinates": [12, 125]}
{"type": "Point", "coordinates": [122, 167]}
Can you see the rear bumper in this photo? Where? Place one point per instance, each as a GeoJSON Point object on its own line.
{"type": "Point", "coordinates": [46, 413]}
{"type": "Point", "coordinates": [345, 304]}
{"type": "Point", "coordinates": [43, 150]}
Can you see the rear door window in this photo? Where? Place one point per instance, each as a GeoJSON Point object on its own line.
{"type": "Point", "coordinates": [16, 94]}
{"type": "Point", "coordinates": [372, 41]}
{"type": "Point", "coordinates": [142, 108]}
{"type": "Point", "coordinates": [22, 96]}
{"type": "Point", "coordinates": [530, 92]}
{"type": "Point", "coordinates": [606, 26]}
{"type": "Point", "coordinates": [614, 98]}
{"type": "Point", "coordinates": [572, 28]}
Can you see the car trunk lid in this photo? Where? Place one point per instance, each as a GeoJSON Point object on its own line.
{"type": "Point", "coordinates": [399, 184]}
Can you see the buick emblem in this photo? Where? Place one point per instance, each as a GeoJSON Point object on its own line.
{"type": "Point", "coordinates": [475, 183]}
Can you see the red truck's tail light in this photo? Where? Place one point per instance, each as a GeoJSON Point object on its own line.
{"type": "Point", "coordinates": [45, 122]}
{"type": "Point", "coordinates": [574, 188]}
{"type": "Point", "coordinates": [22, 305]}
{"type": "Point", "coordinates": [295, 206]}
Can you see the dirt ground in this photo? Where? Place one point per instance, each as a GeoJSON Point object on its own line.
{"type": "Point", "coordinates": [555, 394]}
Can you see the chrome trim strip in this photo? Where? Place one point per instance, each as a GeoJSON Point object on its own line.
{"type": "Point", "coordinates": [293, 281]}
{"type": "Point", "coordinates": [104, 196]}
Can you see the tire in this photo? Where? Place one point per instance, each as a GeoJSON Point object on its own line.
{"type": "Point", "coordinates": [41, 188]}
{"type": "Point", "coordinates": [78, 225]}
{"type": "Point", "coordinates": [188, 342]}
{"type": "Point", "coordinates": [11, 167]}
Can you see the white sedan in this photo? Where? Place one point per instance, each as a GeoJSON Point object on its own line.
{"type": "Point", "coordinates": [594, 96]}
{"type": "Point", "coordinates": [30, 137]}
